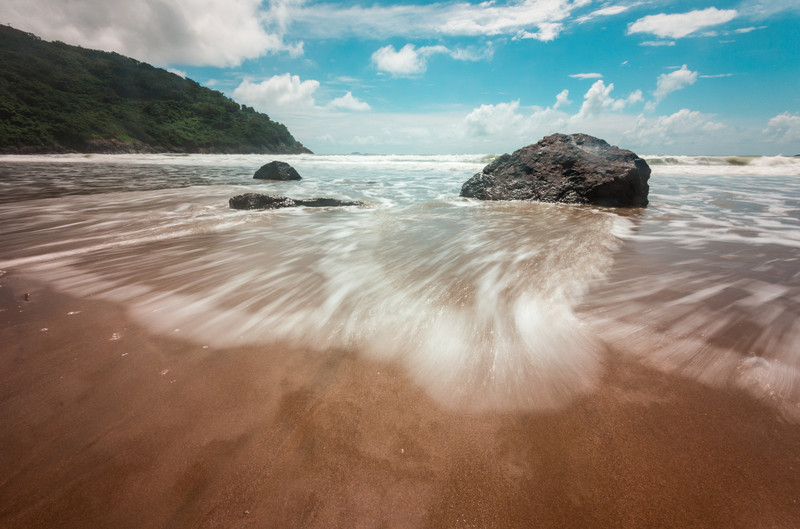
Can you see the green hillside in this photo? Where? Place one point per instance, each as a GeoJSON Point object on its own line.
{"type": "Point", "coordinates": [55, 98]}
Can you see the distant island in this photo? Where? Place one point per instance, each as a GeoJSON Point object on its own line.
{"type": "Point", "coordinates": [60, 98]}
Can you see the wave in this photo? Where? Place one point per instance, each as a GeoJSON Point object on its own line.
{"type": "Point", "coordinates": [476, 305]}
{"type": "Point", "coordinates": [725, 165]}
{"type": "Point", "coordinates": [734, 161]}
{"type": "Point", "coordinates": [239, 159]}
{"type": "Point", "coordinates": [378, 159]}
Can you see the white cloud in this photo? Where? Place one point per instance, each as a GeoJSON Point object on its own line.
{"type": "Point", "coordinates": [281, 12]}
{"type": "Point", "coordinates": [472, 53]}
{"type": "Point", "coordinates": [671, 82]}
{"type": "Point", "coordinates": [683, 127]}
{"type": "Point", "coordinates": [376, 132]}
{"type": "Point", "coordinates": [598, 99]}
{"type": "Point", "coordinates": [511, 124]}
{"type": "Point", "coordinates": [761, 9]}
{"type": "Point", "coordinates": [587, 75]}
{"type": "Point", "coordinates": [634, 97]}
{"type": "Point", "coordinates": [538, 19]}
{"type": "Point", "coordinates": [547, 31]}
{"type": "Point", "coordinates": [407, 61]}
{"type": "Point", "coordinates": [410, 61]}
{"type": "Point", "coordinates": [604, 12]}
{"type": "Point", "coordinates": [348, 102]}
{"type": "Point", "coordinates": [280, 91]}
{"type": "Point", "coordinates": [784, 128]}
{"type": "Point", "coordinates": [562, 99]}
{"type": "Point", "coordinates": [656, 43]}
{"type": "Point", "coordinates": [490, 19]}
{"type": "Point", "coordinates": [197, 32]}
{"type": "Point", "coordinates": [610, 11]}
{"type": "Point", "coordinates": [506, 126]}
{"type": "Point", "coordinates": [679, 25]}
{"type": "Point", "coordinates": [492, 119]}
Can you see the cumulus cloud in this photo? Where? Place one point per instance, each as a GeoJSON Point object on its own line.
{"type": "Point", "coordinates": [679, 25]}
{"type": "Point", "coordinates": [348, 102]}
{"type": "Point", "coordinates": [198, 32]}
{"type": "Point", "coordinates": [784, 128]}
{"type": "Point", "coordinates": [279, 91]}
{"type": "Point", "coordinates": [598, 99]}
{"type": "Point", "coordinates": [492, 119]}
{"type": "Point", "coordinates": [509, 123]}
{"type": "Point", "coordinates": [404, 62]}
{"type": "Point", "coordinates": [562, 99]}
{"type": "Point", "coordinates": [410, 61]}
{"type": "Point", "coordinates": [671, 82]}
{"type": "Point", "coordinates": [547, 31]}
{"type": "Point", "coordinates": [683, 126]}
{"type": "Point", "coordinates": [512, 123]}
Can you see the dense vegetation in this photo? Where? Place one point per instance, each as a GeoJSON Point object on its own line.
{"type": "Point", "coordinates": [55, 97]}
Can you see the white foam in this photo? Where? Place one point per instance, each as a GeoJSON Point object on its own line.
{"type": "Point", "coordinates": [476, 300]}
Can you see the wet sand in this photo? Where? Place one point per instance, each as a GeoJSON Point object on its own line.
{"type": "Point", "coordinates": [106, 425]}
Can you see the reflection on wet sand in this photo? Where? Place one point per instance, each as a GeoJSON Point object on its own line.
{"type": "Point", "coordinates": [426, 361]}
{"type": "Point", "coordinates": [475, 302]}
{"type": "Point", "coordinates": [108, 425]}
{"type": "Point", "coordinates": [695, 297]}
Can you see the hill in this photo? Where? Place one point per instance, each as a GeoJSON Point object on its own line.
{"type": "Point", "coordinates": [57, 98]}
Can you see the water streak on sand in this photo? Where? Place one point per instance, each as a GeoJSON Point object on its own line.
{"type": "Point", "coordinates": [475, 302]}
{"type": "Point", "coordinates": [503, 305]}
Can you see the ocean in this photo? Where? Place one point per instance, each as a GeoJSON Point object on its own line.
{"type": "Point", "coordinates": [485, 305]}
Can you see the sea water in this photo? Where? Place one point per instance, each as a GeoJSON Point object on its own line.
{"type": "Point", "coordinates": [499, 305]}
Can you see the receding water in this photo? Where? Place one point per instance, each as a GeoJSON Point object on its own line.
{"type": "Point", "coordinates": [487, 305]}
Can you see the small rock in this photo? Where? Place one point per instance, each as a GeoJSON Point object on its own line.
{"type": "Point", "coordinates": [277, 171]}
{"type": "Point", "coordinates": [261, 201]}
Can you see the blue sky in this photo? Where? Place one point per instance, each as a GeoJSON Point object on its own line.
{"type": "Point", "coordinates": [686, 77]}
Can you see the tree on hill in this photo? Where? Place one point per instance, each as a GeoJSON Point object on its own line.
{"type": "Point", "coordinates": [55, 97]}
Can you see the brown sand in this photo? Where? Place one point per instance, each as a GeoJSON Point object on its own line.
{"type": "Point", "coordinates": [104, 425]}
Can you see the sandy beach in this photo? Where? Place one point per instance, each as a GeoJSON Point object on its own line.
{"type": "Point", "coordinates": [105, 425]}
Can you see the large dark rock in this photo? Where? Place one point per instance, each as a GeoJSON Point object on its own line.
{"type": "Point", "coordinates": [575, 169]}
{"type": "Point", "coordinates": [259, 201]}
{"type": "Point", "coordinates": [277, 171]}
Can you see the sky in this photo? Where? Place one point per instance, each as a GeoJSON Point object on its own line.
{"type": "Point", "coordinates": [415, 77]}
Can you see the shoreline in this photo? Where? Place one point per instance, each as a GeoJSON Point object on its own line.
{"type": "Point", "coordinates": [115, 146]}
{"type": "Point", "coordinates": [108, 425]}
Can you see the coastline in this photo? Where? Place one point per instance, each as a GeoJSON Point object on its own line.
{"type": "Point", "coordinates": [114, 146]}
{"type": "Point", "coordinates": [108, 425]}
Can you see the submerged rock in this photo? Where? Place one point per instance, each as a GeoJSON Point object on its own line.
{"type": "Point", "coordinates": [277, 171]}
{"type": "Point", "coordinates": [574, 169]}
{"type": "Point", "coordinates": [259, 201]}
